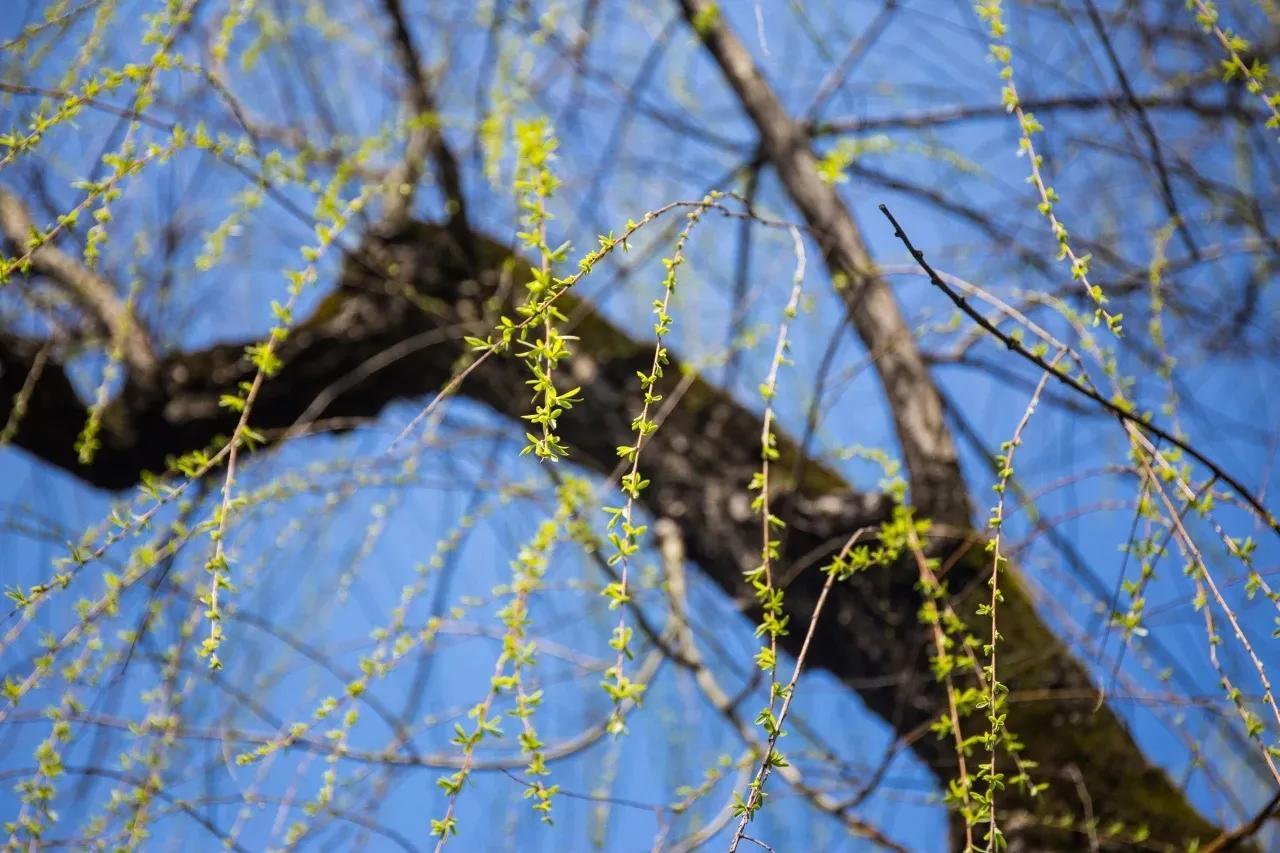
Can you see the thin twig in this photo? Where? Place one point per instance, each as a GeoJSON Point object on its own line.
{"type": "Point", "coordinates": [1124, 415]}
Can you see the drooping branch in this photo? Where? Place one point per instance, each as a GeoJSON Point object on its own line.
{"type": "Point", "coordinates": [366, 346]}
{"type": "Point", "coordinates": [1123, 414]}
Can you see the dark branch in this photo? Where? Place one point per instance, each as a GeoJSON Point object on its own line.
{"type": "Point", "coordinates": [1142, 422]}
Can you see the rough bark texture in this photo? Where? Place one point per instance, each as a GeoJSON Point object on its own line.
{"type": "Point", "coordinates": [699, 464]}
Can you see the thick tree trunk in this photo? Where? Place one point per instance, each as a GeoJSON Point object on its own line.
{"type": "Point", "coordinates": [699, 464]}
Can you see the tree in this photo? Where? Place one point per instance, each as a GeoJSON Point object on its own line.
{"type": "Point", "coordinates": [263, 258]}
